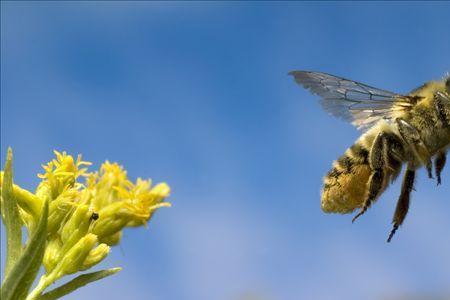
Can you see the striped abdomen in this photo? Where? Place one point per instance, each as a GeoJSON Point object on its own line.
{"type": "Point", "coordinates": [346, 184]}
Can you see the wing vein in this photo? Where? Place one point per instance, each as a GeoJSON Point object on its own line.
{"type": "Point", "coordinates": [353, 101]}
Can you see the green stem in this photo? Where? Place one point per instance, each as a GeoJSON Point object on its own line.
{"type": "Point", "coordinates": [44, 282]}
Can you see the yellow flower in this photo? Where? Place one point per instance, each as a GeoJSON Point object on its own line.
{"type": "Point", "coordinates": [85, 218]}
{"type": "Point", "coordinates": [108, 194]}
{"type": "Point", "coordinates": [120, 203]}
{"type": "Point", "coordinates": [62, 173]}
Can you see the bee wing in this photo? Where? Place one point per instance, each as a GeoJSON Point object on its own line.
{"type": "Point", "coordinates": [358, 103]}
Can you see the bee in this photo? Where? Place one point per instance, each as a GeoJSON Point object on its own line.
{"type": "Point", "coordinates": [411, 130]}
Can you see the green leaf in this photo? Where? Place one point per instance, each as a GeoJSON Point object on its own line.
{"type": "Point", "coordinates": [28, 279]}
{"type": "Point", "coordinates": [23, 273]}
{"type": "Point", "coordinates": [78, 282]}
{"type": "Point", "coordinates": [12, 220]}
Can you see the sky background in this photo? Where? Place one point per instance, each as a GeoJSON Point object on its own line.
{"type": "Point", "coordinates": [197, 95]}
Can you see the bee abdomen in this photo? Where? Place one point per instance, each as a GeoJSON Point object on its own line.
{"type": "Point", "coordinates": [345, 185]}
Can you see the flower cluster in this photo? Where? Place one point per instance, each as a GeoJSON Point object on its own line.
{"type": "Point", "coordinates": [87, 212]}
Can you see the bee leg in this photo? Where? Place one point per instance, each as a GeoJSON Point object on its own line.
{"type": "Point", "coordinates": [439, 163]}
{"type": "Point", "coordinates": [441, 101]}
{"type": "Point", "coordinates": [429, 170]}
{"type": "Point", "coordinates": [377, 161]}
{"type": "Point", "coordinates": [412, 137]}
{"type": "Point", "coordinates": [403, 201]}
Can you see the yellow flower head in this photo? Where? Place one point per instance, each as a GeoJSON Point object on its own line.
{"type": "Point", "coordinates": [62, 173]}
{"type": "Point", "coordinates": [83, 219]}
{"type": "Point", "coordinates": [119, 202]}
{"type": "Point", "coordinates": [108, 194]}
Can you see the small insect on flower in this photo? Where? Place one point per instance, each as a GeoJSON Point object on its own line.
{"type": "Point", "coordinates": [94, 216]}
{"type": "Point", "coordinates": [398, 129]}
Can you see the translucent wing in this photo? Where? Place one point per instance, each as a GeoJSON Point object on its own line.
{"type": "Point", "coordinates": [360, 104]}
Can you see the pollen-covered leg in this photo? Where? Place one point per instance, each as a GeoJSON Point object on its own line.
{"type": "Point", "coordinates": [377, 161]}
{"type": "Point", "coordinates": [403, 201]}
{"type": "Point", "coordinates": [439, 164]}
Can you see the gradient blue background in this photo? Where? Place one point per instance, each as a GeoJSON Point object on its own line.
{"type": "Point", "coordinates": [197, 95]}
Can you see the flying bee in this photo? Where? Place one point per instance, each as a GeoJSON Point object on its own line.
{"type": "Point", "coordinates": [411, 129]}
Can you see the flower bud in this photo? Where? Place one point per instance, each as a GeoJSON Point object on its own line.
{"type": "Point", "coordinates": [112, 219]}
{"type": "Point", "coordinates": [160, 192]}
{"type": "Point", "coordinates": [52, 254]}
{"type": "Point", "coordinates": [76, 227]}
{"type": "Point", "coordinates": [58, 210]}
{"type": "Point", "coordinates": [74, 258]}
{"type": "Point", "coordinates": [111, 240]}
{"type": "Point", "coordinates": [95, 256]}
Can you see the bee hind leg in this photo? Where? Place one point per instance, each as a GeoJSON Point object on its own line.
{"type": "Point", "coordinates": [439, 163]}
{"type": "Point", "coordinates": [441, 102]}
{"type": "Point", "coordinates": [412, 137]}
{"type": "Point", "coordinates": [403, 201]}
{"type": "Point", "coordinates": [378, 161]}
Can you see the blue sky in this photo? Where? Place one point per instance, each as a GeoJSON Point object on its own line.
{"type": "Point", "coordinates": [197, 95]}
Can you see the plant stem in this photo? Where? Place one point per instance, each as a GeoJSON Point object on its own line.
{"type": "Point", "coordinates": [44, 282]}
